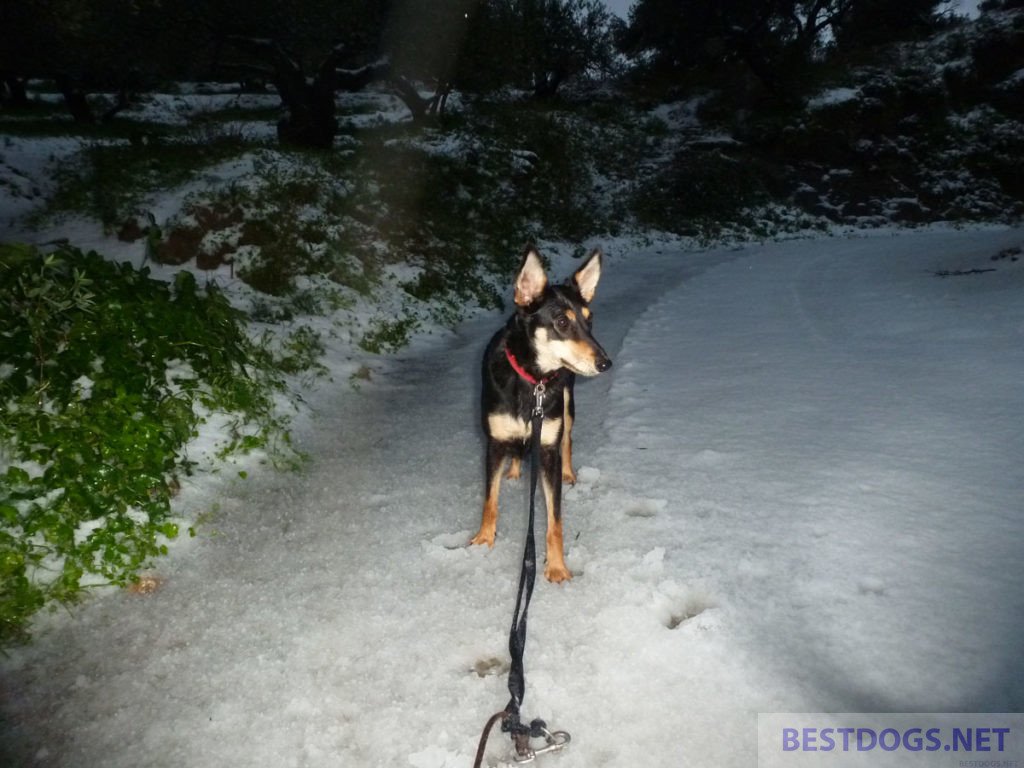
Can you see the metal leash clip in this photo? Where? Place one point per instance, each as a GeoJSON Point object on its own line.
{"type": "Point", "coordinates": [538, 393]}
{"type": "Point", "coordinates": [555, 742]}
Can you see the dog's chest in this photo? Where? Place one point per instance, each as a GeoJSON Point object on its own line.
{"type": "Point", "coordinates": [509, 428]}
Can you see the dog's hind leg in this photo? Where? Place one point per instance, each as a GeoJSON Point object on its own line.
{"type": "Point", "coordinates": [569, 413]}
{"type": "Point", "coordinates": [492, 483]}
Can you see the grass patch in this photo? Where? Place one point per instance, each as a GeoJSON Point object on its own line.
{"type": "Point", "coordinates": [110, 179]}
{"type": "Point", "coordinates": [388, 335]}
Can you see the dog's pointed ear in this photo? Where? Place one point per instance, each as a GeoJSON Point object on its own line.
{"type": "Point", "coordinates": [586, 277]}
{"type": "Point", "coordinates": [531, 280]}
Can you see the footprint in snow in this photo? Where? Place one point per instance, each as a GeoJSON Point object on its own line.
{"type": "Point", "coordinates": [448, 548]}
{"type": "Point", "coordinates": [646, 507]}
{"type": "Point", "coordinates": [706, 458]}
{"type": "Point", "coordinates": [702, 510]}
{"type": "Point", "coordinates": [684, 614]}
{"type": "Point", "coordinates": [679, 607]}
{"type": "Point", "coordinates": [586, 479]}
{"type": "Point", "coordinates": [869, 585]}
{"type": "Point", "coordinates": [456, 540]}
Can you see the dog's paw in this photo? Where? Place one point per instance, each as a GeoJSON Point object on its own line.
{"type": "Point", "coordinates": [568, 475]}
{"type": "Point", "coordinates": [483, 537]}
{"type": "Point", "coordinates": [556, 574]}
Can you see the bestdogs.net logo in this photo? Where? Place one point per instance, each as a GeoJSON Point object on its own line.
{"type": "Point", "coordinates": [949, 740]}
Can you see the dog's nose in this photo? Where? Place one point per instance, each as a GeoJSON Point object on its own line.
{"type": "Point", "coordinates": [603, 364]}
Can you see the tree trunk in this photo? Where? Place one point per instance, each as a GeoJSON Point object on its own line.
{"type": "Point", "coordinates": [75, 101]}
{"type": "Point", "coordinates": [123, 102]}
{"type": "Point", "coordinates": [12, 92]}
{"type": "Point", "coordinates": [417, 105]}
{"type": "Point", "coordinates": [310, 121]}
{"type": "Point", "coordinates": [441, 98]}
{"type": "Point", "coordinates": [546, 84]}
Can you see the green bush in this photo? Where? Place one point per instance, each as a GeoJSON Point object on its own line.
{"type": "Point", "coordinates": [104, 378]}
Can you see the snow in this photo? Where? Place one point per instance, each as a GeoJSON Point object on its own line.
{"type": "Point", "coordinates": [182, 109]}
{"type": "Point", "coordinates": [680, 115]}
{"type": "Point", "coordinates": [799, 490]}
{"type": "Point", "coordinates": [26, 174]}
{"type": "Point", "coordinates": [833, 96]}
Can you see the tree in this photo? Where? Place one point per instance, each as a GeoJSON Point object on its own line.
{"type": "Point", "coordinates": [424, 40]}
{"type": "Point", "coordinates": [310, 121]}
{"type": "Point", "coordinates": [535, 45]}
{"type": "Point", "coordinates": [679, 36]}
{"type": "Point", "coordinates": [563, 38]}
{"type": "Point", "coordinates": [417, 40]}
{"type": "Point", "coordinates": [118, 45]}
{"type": "Point", "coordinates": [775, 39]}
{"type": "Point", "coordinates": [877, 22]}
{"type": "Point", "coordinates": [78, 44]}
{"type": "Point", "coordinates": [556, 40]}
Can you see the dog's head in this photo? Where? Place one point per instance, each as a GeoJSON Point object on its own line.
{"type": "Point", "coordinates": [558, 318]}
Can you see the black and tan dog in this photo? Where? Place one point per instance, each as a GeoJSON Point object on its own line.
{"type": "Point", "coordinates": [548, 340]}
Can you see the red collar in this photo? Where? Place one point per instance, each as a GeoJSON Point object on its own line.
{"type": "Point", "coordinates": [523, 374]}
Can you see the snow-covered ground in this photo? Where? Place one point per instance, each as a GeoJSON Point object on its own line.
{"type": "Point", "coordinates": [801, 489]}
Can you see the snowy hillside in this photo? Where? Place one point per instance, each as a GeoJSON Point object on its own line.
{"type": "Point", "coordinates": [800, 490]}
{"type": "Point", "coordinates": [921, 131]}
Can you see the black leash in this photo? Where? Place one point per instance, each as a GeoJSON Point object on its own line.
{"type": "Point", "coordinates": [527, 577]}
{"type": "Point", "coordinates": [510, 717]}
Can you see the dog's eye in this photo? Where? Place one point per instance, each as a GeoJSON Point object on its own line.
{"type": "Point", "coordinates": [561, 322]}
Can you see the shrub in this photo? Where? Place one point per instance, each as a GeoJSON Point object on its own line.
{"type": "Point", "coordinates": [106, 376]}
{"type": "Point", "coordinates": [701, 191]}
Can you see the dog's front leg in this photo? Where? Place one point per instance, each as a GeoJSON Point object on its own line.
{"type": "Point", "coordinates": [569, 413]}
{"type": "Point", "coordinates": [492, 486]}
{"type": "Point", "coordinates": [551, 471]}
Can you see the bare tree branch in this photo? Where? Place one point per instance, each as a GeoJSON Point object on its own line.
{"type": "Point", "coordinates": [357, 79]}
